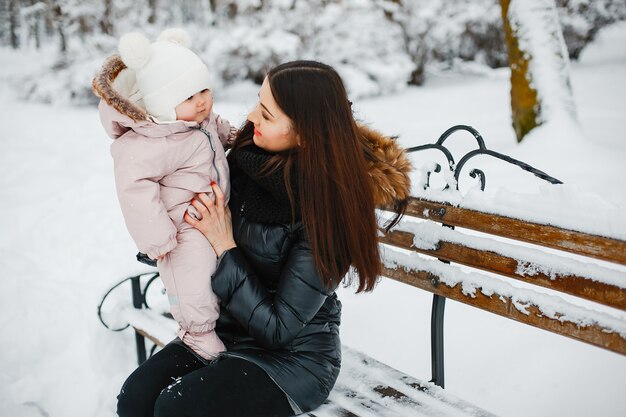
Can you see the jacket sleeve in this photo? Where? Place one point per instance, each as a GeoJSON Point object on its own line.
{"type": "Point", "coordinates": [225, 131]}
{"type": "Point", "coordinates": [137, 174]}
{"type": "Point", "coordinates": [274, 319]}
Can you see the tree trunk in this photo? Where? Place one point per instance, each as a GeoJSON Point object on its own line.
{"type": "Point", "coordinates": [37, 31]}
{"type": "Point", "coordinates": [414, 44]}
{"type": "Point", "coordinates": [63, 41]}
{"type": "Point", "coordinates": [13, 22]}
{"type": "Point", "coordinates": [540, 86]}
{"type": "Point", "coordinates": [524, 105]}
{"type": "Point", "coordinates": [232, 10]}
{"type": "Point", "coordinates": [105, 22]}
{"type": "Point", "coordinates": [48, 19]}
{"type": "Point", "coordinates": [60, 24]}
{"type": "Point", "coordinates": [152, 4]}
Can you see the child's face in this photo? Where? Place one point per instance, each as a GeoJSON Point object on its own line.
{"type": "Point", "coordinates": [196, 108]}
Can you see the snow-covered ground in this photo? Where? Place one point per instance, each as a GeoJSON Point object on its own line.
{"type": "Point", "coordinates": [63, 243]}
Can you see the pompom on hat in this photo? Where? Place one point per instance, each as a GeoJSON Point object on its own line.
{"type": "Point", "coordinates": [167, 71]}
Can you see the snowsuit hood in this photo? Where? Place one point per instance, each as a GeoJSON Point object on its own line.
{"type": "Point", "coordinates": [120, 111]}
{"type": "Point", "coordinates": [115, 90]}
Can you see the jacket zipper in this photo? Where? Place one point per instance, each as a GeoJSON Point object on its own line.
{"type": "Point", "coordinates": [212, 143]}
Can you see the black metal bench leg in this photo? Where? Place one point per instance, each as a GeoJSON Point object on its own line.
{"type": "Point", "coordinates": [436, 339]}
{"type": "Point", "coordinates": [140, 341]}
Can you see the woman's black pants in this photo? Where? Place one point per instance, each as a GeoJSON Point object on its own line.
{"type": "Point", "coordinates": [174, 383]}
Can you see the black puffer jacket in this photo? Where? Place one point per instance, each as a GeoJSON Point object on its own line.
{"type": "Point", "coordinates": [276, 311]}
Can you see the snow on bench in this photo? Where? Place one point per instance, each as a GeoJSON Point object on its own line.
{"type": "Point", "coordinates": [369, 388]}
{"type": "Point", "coordinates": [365, 387]}
{"type": "Point", "coordinates": [546, 263]}
{"type": "Point", "coordinates": [151, 324]}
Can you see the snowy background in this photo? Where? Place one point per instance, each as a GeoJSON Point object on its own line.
{"type": "Point", "coordinates": [63, 242]}
{"type": "Point", "coordinates": [385, 44]}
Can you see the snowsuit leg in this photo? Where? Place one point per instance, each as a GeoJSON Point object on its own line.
{"type": "Point", "coordinates": [186, 274]}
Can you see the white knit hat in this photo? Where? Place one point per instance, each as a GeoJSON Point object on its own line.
{"type": "Point", "coordinates": [167, 71]}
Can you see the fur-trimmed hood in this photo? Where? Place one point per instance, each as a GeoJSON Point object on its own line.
{"type": "Point", "coordinates": [114, 84]}
{"type": "Point", "coordinates": [388, 167]}
{"type": "Point", "coordinates": [121, 110]}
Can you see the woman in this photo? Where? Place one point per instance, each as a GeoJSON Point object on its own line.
{"type": "Point", "coordinates": [305, 180]}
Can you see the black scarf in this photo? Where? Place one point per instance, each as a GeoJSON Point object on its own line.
{"type": "Point", "coordinates": [262, 198]}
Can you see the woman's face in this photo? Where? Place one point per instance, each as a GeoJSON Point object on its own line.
{"type": "Point", "coordinates": [272, 127]}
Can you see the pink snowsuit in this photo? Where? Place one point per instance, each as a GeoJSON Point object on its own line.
{"type": "Point", "coordinates": [159, 168]}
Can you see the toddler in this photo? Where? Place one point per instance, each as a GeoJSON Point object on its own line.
{"type": "Point", "coordinates": [168, 146]}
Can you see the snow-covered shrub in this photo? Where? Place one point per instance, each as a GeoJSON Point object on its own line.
{"type": "Point", "coordinates": [67, 83]}
{"type": "Point", "coordinates": [378, 46]}
{"type": "Point", "coordinates": [249, 52]}
{"type": "Point", "coordinates": [469, 30]}
{"type": "Point", "coordinates": [581, 20]}
{"type": "Point", "coordinates": [446, 33]}
{"type": "Point", "coordinates": [369, 57]}
{"type": "Point", "coordinates": [67, 78]}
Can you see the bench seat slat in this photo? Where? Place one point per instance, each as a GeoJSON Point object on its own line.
{"type": "Point", "coordinates": [365, 387]}
{"type": "Point", "coordinates": [504, 306]}
{"type": "Point", "coordinates": [154, 326]}
{"type": "Point", "coordinates": [598, 247]}
{"type": "Point", "coordinates": [369, 388]}
{"type": "Point", "coordinates": [492, 261]}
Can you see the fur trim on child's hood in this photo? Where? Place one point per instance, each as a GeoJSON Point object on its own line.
{"type": "Point", "coordinates": [115, 85]}
{"type": "Point", "coordinates": [120, 108]}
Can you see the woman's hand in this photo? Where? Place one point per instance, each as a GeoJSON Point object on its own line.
{"type": "Point", "coordinates": [216, 224]}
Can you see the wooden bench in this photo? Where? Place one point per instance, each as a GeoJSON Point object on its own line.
{"type": "Point", "coordinates": [428, 250]}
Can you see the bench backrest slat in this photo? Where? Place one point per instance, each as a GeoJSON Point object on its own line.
{"type": "Point", "coordinates": [539, 264]}
{"type": "Point", "coordinates": [504, 306]}
{"type": "Point", "coordinates": [491, 261]}
{"type": "Point", "coordinates": [598, 247]}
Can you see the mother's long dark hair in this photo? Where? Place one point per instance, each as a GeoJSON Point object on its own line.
{"type": "Point", "coordinates": [335, 191]}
